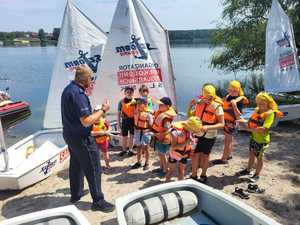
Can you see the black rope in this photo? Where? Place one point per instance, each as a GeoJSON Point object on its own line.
{"type": "Point", "coordinates": [165, 208]}
{"type": "Point", "coordinates": [180, 203]}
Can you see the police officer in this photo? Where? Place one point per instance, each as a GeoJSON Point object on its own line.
{"type": "Point", "coordinates": [77, 120]}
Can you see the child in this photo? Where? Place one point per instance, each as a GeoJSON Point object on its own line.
{"type": "Point", "coordinates": [143, 120]}
{"type": "Point", "coordinates": [181, 140]}
{"type": "Point", "coordinates": [144, 92]}
{"type": "Point", "coordinates": [259, 124]}
{"type": "Point", "coordinates": [126, 120]}
{"type": "Point", "coordinates": [209, 110]}
{"type": "Point", "coordinates": [233, 105]}
{"type": "Point", "coordinates": [101, 131]}
{"type": "Point", "coordinates": [162, 121]}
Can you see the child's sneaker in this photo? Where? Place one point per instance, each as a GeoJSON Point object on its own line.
{"type": "Point", "coordinates": [203, 179]}
{"type": "Point", "coordinates": [243, 172]}
{"type": "Point", "coordinates": [146, 166]}
{"type": "Point", "coordinates": [254, 178]}
{"type": "Point", "coordinates": [136, 165]}
{"type": "Point", "coordinates": [122, 153]}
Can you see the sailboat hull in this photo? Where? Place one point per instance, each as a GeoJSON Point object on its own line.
{"type": "Point", "coordinates": [33, 159]}
{"type": "Point", "coordinates": [213, 206]}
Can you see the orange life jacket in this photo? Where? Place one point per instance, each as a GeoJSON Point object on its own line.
{"type": "Point", "coordinates": [158, 123]}
{"type": "Point", "coordinates": [141, 119]}
{"type": "Point", "coordinates": [207, 112]}
{"type": "Point", "coordinates": [257, 119]}
{"type": "Point", "coordinates": [182, 147]}
{"type": "Point", "coordinates": [101, 127]}
{"type": "Point", "coordinates": [128, 109]}
{"type": "Point", "coordinates": [229, 115]}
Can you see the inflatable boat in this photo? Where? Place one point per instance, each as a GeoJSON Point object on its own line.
{"type": "Point", "coordinates": [186, 203]}
{"type": "Point", "coordinates": [67, 215]}
{"type": "Point", "coordinates": [9, 107]}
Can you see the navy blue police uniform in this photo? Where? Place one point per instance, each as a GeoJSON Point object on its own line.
{"type": "Point", "coordinates": [84, 154]}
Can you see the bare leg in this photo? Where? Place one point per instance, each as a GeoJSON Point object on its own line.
{"type": "Point", "coordinates": [146, 153]}
{"type": "Point", "coordinates": [106, 159]}
{"type": "Point", "coordinates": [259, 166]}
{"type": "Point", "coordinates": [130, 142]}
{"type": "Point", "coordinates": [181, 171]}
{"type": "Point", "coordinates": [124, 143]}
{"type": "Point", "coordinates": [204, 163]}
{"type": "Point", "coordinates": [139, 154]}
{"type": "Point", "coordinates": [195, 164]}
{"type": "Point", "coordinates": [251, 160]}
{"type": "Point", "coordinates": [171, 168]}
{"type": "Point", "coordinates": [163, 162]}
{"type": "Point", "coordinates": [227, 146]}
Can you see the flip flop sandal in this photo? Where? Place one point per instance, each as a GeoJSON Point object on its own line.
{"type": "Point", "coordinates": [240, 193]}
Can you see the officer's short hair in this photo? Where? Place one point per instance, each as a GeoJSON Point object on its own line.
{"type": "Point", "coordinates": [82, 73]}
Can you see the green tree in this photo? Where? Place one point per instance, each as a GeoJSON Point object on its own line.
{"type": "Point", "coordinates": [41, 34]}
{"type": "Point", "coordinates": [242, 33]}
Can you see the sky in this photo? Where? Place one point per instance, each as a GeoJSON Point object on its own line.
{"type": "Point", "coordinates": [31, 15]}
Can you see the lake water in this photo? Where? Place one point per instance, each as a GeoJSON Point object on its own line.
{"type": "Point", "coordinates": [29, 71]}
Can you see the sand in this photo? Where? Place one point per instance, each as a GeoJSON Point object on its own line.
{"type": "Point", "coordinates": [280, 177]}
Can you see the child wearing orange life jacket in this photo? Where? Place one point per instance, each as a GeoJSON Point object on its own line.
{"type": "Point", "coordinates": [210, 111]}
{"type": "Point", "coordinates": [233, 105]}
{"type": "Point", "coordinates": [101, 131]}
{"type": "Point", "coordinates": [143, 120]}
{"type": "Point", "coordinates": [259, 124]}
{"type": "Point", "coordinates": [144, 92]}
{"type": "Point", "coordinates": [126, 110]}
{"type": "Point", "coordinates": [181, 145]}
{"type": "Point", "coordinates": [162, 122]}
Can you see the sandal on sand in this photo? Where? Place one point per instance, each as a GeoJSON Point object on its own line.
{"type": "Point", "coordinates": [240, 192]}
{"type": "Point", "coordinates": [253, 188]}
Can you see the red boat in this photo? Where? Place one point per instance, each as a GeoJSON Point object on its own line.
{"type": "Point", "coordinates": [12, 107]}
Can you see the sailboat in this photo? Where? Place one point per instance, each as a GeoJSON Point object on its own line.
{"type": "Point", "coordinates": [282, 65]}
{"type": "Point", "coordinates": [38, 156]}
{"type": "Point", "coordinates": [137, 52]}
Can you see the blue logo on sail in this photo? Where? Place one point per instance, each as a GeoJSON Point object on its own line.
{"type": "Point", "coordinates": [135, 48]}
{"type": "Point", "coordinates": [285, 41]}
{"type": "Point", "coordinates": [92, 62]}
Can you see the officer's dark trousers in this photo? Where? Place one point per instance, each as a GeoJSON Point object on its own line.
{"type": "Point", "coordinates": [84, 161]}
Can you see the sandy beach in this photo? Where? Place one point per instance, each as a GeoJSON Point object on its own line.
{"type": "Point", "coordinates": [280, 177]}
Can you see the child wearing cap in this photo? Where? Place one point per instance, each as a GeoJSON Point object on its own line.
{"type": "Point", "coordinates": [181, 145]}
{"type": "Point", "coordinates": [161, 127]}
{"type": "Point", "coordinates": [101, 131]}
{"type": "Point", "coordinates": [259, 125]}
{"type": "Point", "coordinates": [126, 110]}
{"type": "Point", "coordinates": [144, 92]}
{"type": "Point", "coordinates": [209, 110]}
{"type": "Point", "coordinates": [143, 120]}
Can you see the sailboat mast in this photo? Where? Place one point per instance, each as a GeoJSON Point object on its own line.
{"type": "Point", "coordinates": [3, 147]}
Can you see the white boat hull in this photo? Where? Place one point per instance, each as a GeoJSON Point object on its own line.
{"type": "Point", "coordinates": [67, 215]}
{"type": "Point", "coordinates": [217, 206]}
{"type": "Point", "coordinates": [34, 159]}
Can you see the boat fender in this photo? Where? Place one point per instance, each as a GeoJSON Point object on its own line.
{"type": "Point", "coordinates": [161, 208]}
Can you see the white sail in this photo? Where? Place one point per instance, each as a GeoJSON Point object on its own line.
{"type": "Point", "coordinates": [281, 70]}
{"type": "Point", "coordinates": [80, 42]}
{"type": "Point", "coordinates": [137, 52]}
